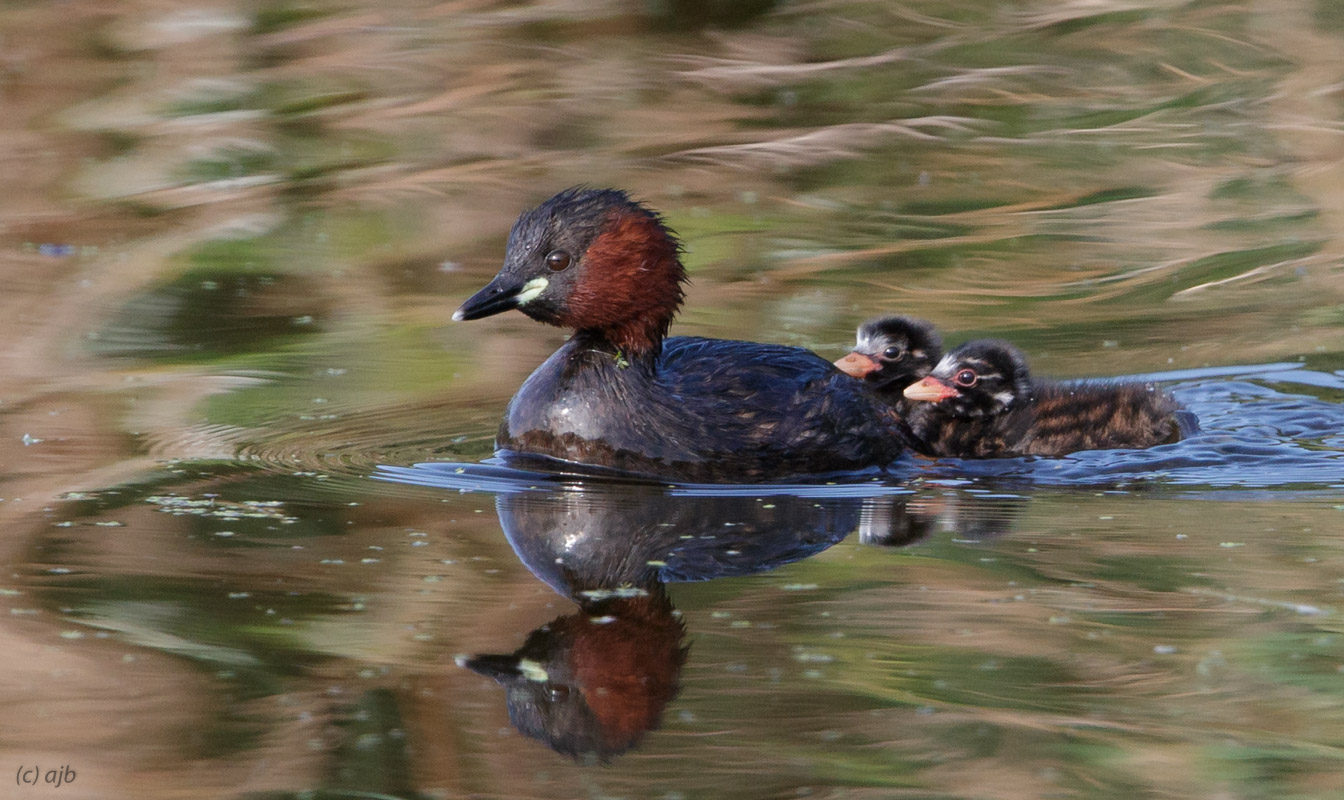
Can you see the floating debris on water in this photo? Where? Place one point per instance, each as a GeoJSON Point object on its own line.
{"type": "Point", "coordinates": [222, 509]}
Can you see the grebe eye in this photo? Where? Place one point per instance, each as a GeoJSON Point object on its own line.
{"type": "Point", "coordinates": [557, 260]}
{"type": "Point", "coordinates": [892, 352]}
{"type": "Point", "coordinates": [966, 378]}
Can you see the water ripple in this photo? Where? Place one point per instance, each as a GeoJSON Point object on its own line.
{"type": "Point", "coordinates": [346, 439]}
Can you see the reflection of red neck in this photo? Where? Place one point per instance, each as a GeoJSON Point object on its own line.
{"type": "Point", "coordinates": [631, 286]}
{"type": "Point", "coordinates": [627, 660]}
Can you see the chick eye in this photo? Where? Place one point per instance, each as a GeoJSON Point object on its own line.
{"type": "Point", "coordinates": [892, 352]}
{"type": "Point", "coordinates": [966, 378]}
{"type": "Point", "coordinates": [557, 260]}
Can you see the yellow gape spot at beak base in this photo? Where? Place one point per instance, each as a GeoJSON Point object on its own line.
{"type": "Point", "coordinates": [531, 669]}
{"type": "Point", "coordinates": [531, 290]}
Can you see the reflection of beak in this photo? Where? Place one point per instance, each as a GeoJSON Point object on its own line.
{"type": "Point", "coordinates": [857, 365]}
{"type": "Point", "coordinates": [930, 389]}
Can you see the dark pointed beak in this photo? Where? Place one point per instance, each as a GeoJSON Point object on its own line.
{"type": "Point", "coordinates": [501, 294]}
{"type": "Point", "coordinates": [498, 667]}
{"type": "Point", "coordinates": [857, 365]}
{"type": "Point", "coordinates": [930, 389]}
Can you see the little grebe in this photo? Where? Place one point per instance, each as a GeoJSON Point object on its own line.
{"type": "Point", "coordinates": [619, 395]}
{"type": "Point", "coordinates": [890, 353]}
{"type": "Point", "coordinates": [980, 401]}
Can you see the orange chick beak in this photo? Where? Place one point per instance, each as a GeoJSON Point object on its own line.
{"type": "Point", "coordinates": [857, 365]}
{"type": "Point", "coordinates": [930, 389]}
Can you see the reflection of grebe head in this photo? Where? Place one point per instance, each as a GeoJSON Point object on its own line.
{"type": "Point", "coordinates": [590, 684]}
{"type": "Point", "coordinates": [594, 260]}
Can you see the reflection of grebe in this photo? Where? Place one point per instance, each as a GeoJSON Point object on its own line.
{"type": "Point", "coordinates": [968, 516]}
{"type": "Point", "coordinates": [620, 395]}
{"type": "Point", "coordinates": [612, 536]}
{"type": "Point", "coordinates": [589, 684]}
{"type": "Point", "coordinates": [980, 401]}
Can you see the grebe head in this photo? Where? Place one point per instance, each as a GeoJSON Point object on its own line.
{"type": "Point", "coordinates": [980, 378]}
{"type": "Point", "coordinates": [893, 351]}
{"type": "Point", "coordinates": [592, 260]}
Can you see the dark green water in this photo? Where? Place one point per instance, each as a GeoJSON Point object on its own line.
{"type": "Point", "coordinates": [232, 237]}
